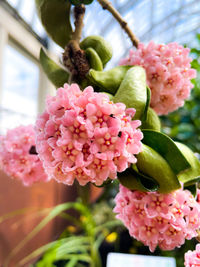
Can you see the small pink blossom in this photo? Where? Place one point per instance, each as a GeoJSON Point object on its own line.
{"type": "Point", "coordinates": [83, 135]}
{"type": "Point", "coordinates": [192, 258]}
{"type": "Point", "coordinates": [163, 220]}
{"type": "Point", "coordinates": [16, 158]}
{"type": "Point", "coordinates": [168, 73]}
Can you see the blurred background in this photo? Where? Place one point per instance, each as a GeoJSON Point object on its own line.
{"type": "Point", "coordinates": [23, 86]}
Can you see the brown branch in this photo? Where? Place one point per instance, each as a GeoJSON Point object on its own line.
{"type": "Point", "coordinates": [74, 57]}
{"type": "Point", "coordinates": [107, 5]}
{"type": "Point", "coordinates": [79, 12]}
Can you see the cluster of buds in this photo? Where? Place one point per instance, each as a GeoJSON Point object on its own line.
{"type": "Point", "coordinates": [163, 220]}
{"type": "Point", "coordinates": [18, 157]}
{"type": "Point", "coordinates": [83, 135]}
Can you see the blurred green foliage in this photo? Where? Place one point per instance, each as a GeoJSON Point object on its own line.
{"type": "Point", "coordinates": [79, 243]}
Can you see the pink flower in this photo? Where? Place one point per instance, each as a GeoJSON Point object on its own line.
{"type": "Point", "coordinates": [83, 135]}
{"type": "Point", "coordinates": [192, 258]}
{"type": "Point", "coordinates": [18, 157]}
{"type": "Point", "coordinates": [168, 73]}
{"type": "Point", "coordinates": [163, 220]}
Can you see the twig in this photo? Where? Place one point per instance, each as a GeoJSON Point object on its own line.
{"type": "Point", "coordinates": [74, 58]}
{"type": "Point", "coordinates": [79, 12]}
{"type": "Point", "coordinates": [107, 5]}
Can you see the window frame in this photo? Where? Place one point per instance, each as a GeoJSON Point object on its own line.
{"type": "Point", "coordinates": [13, 33]}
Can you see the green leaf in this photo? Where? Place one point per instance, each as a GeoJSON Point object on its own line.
{"type": "Point", "coordinates": [144, 116]}
{"type": "Point", "coordinates": [132, 91]}
{"type": "Point", "coordinates": [57, 75]}
{"type": "Point", "coordinates": [77, 245]}
{"type": "Point", "coordinates": [107, 182]}
{"type": "Point", "coordinates": [72, 263]}
{"type": "Point", "coordinates": [55, 244]}
{"type": "Point", "coordinates": [80, 257]}
{"type": "Point", "coordinates": [94, 59]}
{"type": "Point", "coordinates": [55, 17]}
{"type": "Point", "coordinates": [152, 122]}
{"type": "Point", "coordinates": [192, 188]}
{"type": "Point", "coordinates": [134, 180]}
{"type": "Point", "coordinates": [110, 80]}
{"type": "Point", "coordinates": [14, 213]}
{"type": "Point", "coordinates": [67, 248]}
{"type": "Point", "coordinates": [152, 164]}
{"type": "Point", "coordinates": [87, 2]}
{"type": "Point", "coordinates": [192, 175]}
{"type": "Point", "coordinates": [52, 214]}
{"type": "Point", "coordinates": [100, 45]}
{"type": "Point", "coordinates": [75, 2]}
{"type": "Point", "coordinates": [78, 2]}
{"type": "Point", "coordinates": [167, 148]}
{"type": "Point", "coordinates": [195, 51]}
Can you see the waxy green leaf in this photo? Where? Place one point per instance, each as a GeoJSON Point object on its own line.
{"type": "Point", "coordinates": [132, 91]}
{"type": "Point", "coordinates": [100, 45]}
{"type": "Point", "coordinates": [144, 116]}
{"type": "Point", "coordinates": [78, 2]}
{"type": "Point", "coordinates": [192, 188]}
{"type": "Point", "coordinates": [152, 122]}
{"type": "Point", "coordinates": [87, 2]}
{"type": "Point", "coordinates": [55, 17]}
{"type": "Point", "coordinates": [57, 75]}
{"type": "Point", "coordinates": [110, 80]}
{"type": "Point", "coordinates": [167, 148]}
{"type": "Point", "coordinates": [94, 59]}
{"type": "Point", "coordinates": [152, 164]}
{"type": "Point", "coordinates": [192, 175]}
{"type": "Point", "coordinates": [132, 179]}
{"type": "Point", "coordinates": [75, 2]}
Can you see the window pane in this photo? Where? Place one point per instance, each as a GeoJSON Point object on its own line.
{"type": "Point", "coordinates": [27, 9]}
{"type": "Point", "coordinates": [20, 89]}
{"type": "Point", "coordinates": [13, 2]}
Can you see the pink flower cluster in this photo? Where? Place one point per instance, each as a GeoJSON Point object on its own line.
{"type": "Point", "coordinates": [168, 73]}
{"type": "Point", "coordinates": [192, 258]}
{"type": "Point", "coordinates": [83, 135]}
{"type": "Point", "coordinates": [16, 159]}
{"type": "Point", "coordinates": [159, 219]}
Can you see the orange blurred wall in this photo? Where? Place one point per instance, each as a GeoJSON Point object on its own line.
{"type": "Point", "coordinates": [14, 196]}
